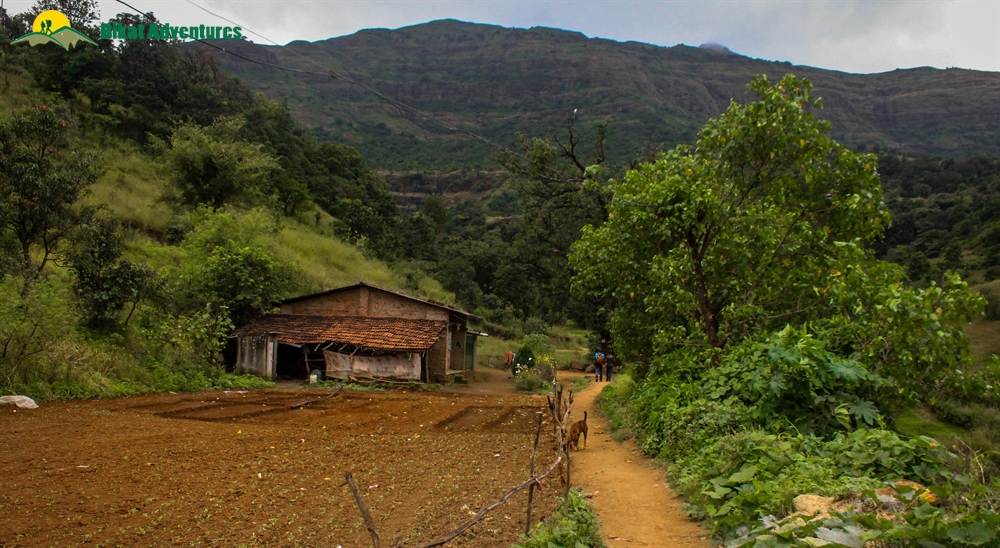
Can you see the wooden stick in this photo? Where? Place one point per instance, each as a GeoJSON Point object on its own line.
{"type": "Point", "coordinates": [566, 494]}
{"type": "Point", "coordinates": [489, 507]}
{"type": "Point", "coordinates": [326, 397]}
{"type": "Point", "coordinates": [364, 509]}
{"type": "Point", "coordinates": [531, 488]}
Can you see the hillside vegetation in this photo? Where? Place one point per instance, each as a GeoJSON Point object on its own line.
{"type": "Point", "coordinates": [132, 243]}
{"type": "Point", "coordinates": [772, 353]}
{"type": "Point", "coordinates": [498, 82]}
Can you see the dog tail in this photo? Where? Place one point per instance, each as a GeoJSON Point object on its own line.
{"type": "Point", "coordinates": [584, 416]}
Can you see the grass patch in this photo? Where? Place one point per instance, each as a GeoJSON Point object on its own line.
{"type": "Point", "coordinates": [130, 187]}
{"type": "Point", "coordinates": [580, 383]}
{"type": "Point", "coordinates": [613, 402]}
{"type": "Point", "coordinates": [579, 529]}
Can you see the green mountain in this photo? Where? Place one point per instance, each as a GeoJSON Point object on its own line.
{"type": "Point", "coordinates": [497, 81]}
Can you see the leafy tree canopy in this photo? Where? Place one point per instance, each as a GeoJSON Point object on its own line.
{"type": "Point", "coordinates": [41, 178]}
{"type": "Point", "coordinates": [739, 229]}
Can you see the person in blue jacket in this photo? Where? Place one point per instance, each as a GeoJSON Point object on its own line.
{"type": "Point", "coordinates": [599, 366]}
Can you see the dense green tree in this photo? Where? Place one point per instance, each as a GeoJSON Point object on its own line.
{"type": "Point", "coordinates": [767, 222]}
{"type": "Point", "coordinates": [245, 279]}
{"type": "Point", "coordinates": [106, 283]}
{"type": "Point", "coordinates": [41, 178]}
{"type": "Point", "coordinates": [80, 13]}
{"type": "Point", "coordinates": [212, 166]}
{"type": "Point", "coordinates": [557, 180]}
{"type": "Point", "coordinates": [736, 232]}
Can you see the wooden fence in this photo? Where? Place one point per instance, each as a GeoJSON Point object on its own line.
{"type": "Point", "coordinates": [559, 404]}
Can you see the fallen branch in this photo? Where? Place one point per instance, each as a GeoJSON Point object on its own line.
{"type": "Point", "coordinates": [326, 397]}
{"type": "Point", "coordinates": [364, 509]}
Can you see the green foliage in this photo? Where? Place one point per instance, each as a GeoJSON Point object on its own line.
{"type": "Point", "coordinates": [34, 320]}
{"type": "Point", "coordinates": [942, 208]}
{"type": "Point", "coordinates": [792, 380]}
{"type": "Point", "coordinates": [730, 236]}
{"type": "Point", "coordinates": [528, 380]}
{"type": "Point", "coordinates": [213, 167]}
{"type": "Point", "coordinates": [780, 348]}
{"type": "Point", "coordinates": [580, 529]}
{"type": "Point", "coordinates": [537, 344]}
{"type": "Point", "coordinates": [992, 310]}
{"type": "Point", "coordinates": [41, 178]}
{"type": "Point", "coordinates": [105, 282]}
{"type": "Point", "coordinates": [245, 279]}
{"type": "Point", "coordinates": [559, 197]}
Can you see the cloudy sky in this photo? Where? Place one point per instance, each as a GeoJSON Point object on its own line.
{"type": "Point", "coordinates": [848, 35]}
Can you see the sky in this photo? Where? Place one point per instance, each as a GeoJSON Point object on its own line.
{"type": "Point", "coordinates": [848, 35]}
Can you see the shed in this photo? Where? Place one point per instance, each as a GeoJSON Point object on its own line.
{"type": "Point", "coordinates": [360, 330]}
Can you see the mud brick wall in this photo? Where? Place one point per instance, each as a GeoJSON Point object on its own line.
{"type": "Point", "coordinates": [363, 301]}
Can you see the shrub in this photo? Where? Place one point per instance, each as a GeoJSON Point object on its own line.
{"type": "Point", "coordinates": [529, 381]}
{"type": "Point", "coordinates": [992, 303]}
{"type": "Point", "coordinates": [580, 529]}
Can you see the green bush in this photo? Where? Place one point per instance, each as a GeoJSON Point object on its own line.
{"type": "Point", "coordinates": [992, 303]}
{"type": "Point", "coordinates": [580, 529]}
{"type": "Point", "coordinates": [528, 380]}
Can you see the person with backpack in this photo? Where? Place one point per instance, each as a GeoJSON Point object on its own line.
{"type": "Point", "coordinates": [599, 366]}
{"type": "Point", "coordinates": [609, 366]}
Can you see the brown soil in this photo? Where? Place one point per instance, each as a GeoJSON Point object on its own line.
{"type": "Point", "coordinates": [628, 492]}
{"type": "Point", "coordinates": [242, 469]}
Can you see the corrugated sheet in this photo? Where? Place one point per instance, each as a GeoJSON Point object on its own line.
{"type": "Point", "coordinates": [376, 333]}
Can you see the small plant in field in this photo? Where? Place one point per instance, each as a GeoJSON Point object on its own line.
{"type": "Point", "coordinates": [529, 380]}
{"type": "Point", "coordinates": [579, 529]}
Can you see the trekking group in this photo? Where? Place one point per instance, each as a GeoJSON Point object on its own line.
{"type": "Point", "coordinates": [604, 366]}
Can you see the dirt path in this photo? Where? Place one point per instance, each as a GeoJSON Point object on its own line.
{"type": "Point", "coordinates": [629, 494]}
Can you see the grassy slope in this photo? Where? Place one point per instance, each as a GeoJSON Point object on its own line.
{"type": "Point", "coordinates": [984, 335]}
{"type": "Point", "coordinates": [571, 344]}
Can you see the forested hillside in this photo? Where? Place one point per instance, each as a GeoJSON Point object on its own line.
{"type": "Point", "coordinates": [499, 81]}
{"type": "Point", "coordinates": [149, 204]}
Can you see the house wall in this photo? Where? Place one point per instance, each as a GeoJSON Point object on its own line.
{"type": "Point", "coordinates": [257, 355]}
{"type": "Point", "coordinates": [436, 359]}
{"type": "Point", "coordinates": [363, 301]}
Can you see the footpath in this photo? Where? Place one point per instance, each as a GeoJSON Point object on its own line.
{"type": "Point", "coordinates": [628, 490]}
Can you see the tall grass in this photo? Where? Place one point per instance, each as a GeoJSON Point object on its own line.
{"type": "Point", "coordinates": [130, 188]}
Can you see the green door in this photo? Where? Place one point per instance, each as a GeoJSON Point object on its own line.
{"type": "Point", "coordinates": [470, 351]}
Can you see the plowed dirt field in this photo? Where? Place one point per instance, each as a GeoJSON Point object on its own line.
{"type": "Point", "coordinates": [243, 469]}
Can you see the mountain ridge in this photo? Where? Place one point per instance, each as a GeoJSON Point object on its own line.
{"type": "Point", "coordinates": [497, 81]}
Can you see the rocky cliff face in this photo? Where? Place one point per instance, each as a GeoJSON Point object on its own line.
{"type": "Point", "coordinates": [496, 82]}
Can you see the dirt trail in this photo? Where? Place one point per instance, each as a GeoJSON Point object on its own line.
{"type": "Point", "coordinates": [629, 494]}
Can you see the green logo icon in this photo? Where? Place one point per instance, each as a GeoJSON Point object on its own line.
{"type": "Point", "coordinates": [52, 26]}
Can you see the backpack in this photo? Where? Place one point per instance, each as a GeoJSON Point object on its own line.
{"type": "Point", "coordinates": [600, 358]}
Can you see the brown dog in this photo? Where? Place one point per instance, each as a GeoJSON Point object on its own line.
{"type": "Point", "coordinates": [578, 427]}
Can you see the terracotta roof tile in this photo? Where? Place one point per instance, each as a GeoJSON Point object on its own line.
{"type": "Point", "coordinates": [378, 333]}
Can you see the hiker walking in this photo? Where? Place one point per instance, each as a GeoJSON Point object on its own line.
{"type": "Point", "coordinates": [599, 366]}
{"type": "Point", "coordinates": [609, 366]}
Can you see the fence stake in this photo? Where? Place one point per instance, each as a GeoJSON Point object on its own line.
{"type": "Point", "coordinates": [531, 489]}
{"type": "Point", "coordinates": [369, 523]}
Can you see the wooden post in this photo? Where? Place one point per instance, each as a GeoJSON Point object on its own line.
{"type": "Point", "coordinates": [531, 489]}
{"type": "Point", "coordinates": [369, 523]}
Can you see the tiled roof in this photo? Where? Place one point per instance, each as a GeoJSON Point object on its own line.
{"type": "Point", "coordinates": [377, 333]}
